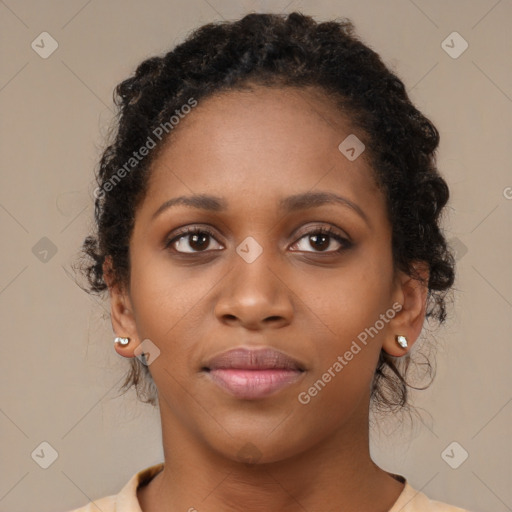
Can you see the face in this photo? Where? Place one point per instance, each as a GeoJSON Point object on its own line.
{"type": "Point", "coordinates": [257, 270]}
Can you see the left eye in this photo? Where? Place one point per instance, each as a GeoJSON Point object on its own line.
{"type": "Point", "coordinates": [321, 240]}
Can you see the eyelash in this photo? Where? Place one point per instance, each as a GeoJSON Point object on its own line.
{"type": "Point", "coordinates": [345, 243]}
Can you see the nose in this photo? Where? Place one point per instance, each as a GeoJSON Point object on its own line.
{"type": "Point", "coordinates": [254, 296]}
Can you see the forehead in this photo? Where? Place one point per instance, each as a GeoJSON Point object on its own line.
{"type": "Point", "coordinates": [255, 146]}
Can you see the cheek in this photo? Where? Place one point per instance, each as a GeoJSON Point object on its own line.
{"type": "Point", "coordinates": [348, 351]}
{"type": "Point", "coordinates": [352, 298]}
{"type": "Point", "coordinates": [354, 308]}
{"type": "Point", "coordinates": [168, 301]}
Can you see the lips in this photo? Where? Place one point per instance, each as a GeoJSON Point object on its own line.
{"type": "Point", "coordinates": [253, 373]}
{"type": "Point", "coordinates": [252, 359]}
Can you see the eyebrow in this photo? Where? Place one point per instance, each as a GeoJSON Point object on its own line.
{"type": "Point", "coordinates": [288, 204]}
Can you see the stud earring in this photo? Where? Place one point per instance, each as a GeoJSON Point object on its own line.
{"type": "Point", "coordinates": [122, 341]}
{"type": "Point", "coordinates": [401, 340]}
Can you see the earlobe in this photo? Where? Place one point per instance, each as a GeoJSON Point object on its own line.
{"type": "Point", "coordinates": [406, 326]}
{"type": "Point", "coordinates": [121, 313]}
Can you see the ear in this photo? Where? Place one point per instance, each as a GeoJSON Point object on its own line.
{"type": "Point", "coordinates": [121, 311]}
{"type": "Point", "coordinates": [411, 293]}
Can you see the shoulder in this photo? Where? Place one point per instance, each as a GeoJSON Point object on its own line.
{"type": "Point", "coordinates": [411, 500]}
{"type": "Point", "coordinates": [126, 500]}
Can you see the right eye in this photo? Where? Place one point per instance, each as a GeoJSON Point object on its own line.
{"type": "Point", "coordinates": [191, 240]}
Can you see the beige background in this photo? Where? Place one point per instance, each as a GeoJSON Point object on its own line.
{"type": "Point", "coordinates": [59, 372]}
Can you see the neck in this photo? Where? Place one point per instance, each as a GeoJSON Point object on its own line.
{"type": "Point", "coordinates": [338, 470]}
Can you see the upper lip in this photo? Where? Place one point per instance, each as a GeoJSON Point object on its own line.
{"type": "Point", "coordinates": [253, 359]}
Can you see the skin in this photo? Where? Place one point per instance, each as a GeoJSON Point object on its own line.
{"type": "Point", "coordinates": [253, 148]}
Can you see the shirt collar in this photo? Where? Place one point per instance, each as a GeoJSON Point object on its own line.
{"type": "Point", "coordinates": [126, 499]}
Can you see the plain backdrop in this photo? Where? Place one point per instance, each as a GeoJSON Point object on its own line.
{"type": "Point", "coordinates": [59, 373]}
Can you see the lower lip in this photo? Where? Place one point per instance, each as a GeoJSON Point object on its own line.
{"type": "Point", "coordinates": [253, 384]}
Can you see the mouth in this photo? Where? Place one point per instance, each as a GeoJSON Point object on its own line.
{"type": "Point", "coordinates": [252, 374]}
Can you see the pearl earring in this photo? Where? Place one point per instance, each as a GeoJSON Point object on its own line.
{"type": "Point", "coordinates": [401, 340]}
{"type": "Point", "coordinates": [122, 341]}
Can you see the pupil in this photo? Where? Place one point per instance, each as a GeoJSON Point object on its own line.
{"type": "Point", "coordinates": [322, 245]}
{"type": "Point", "coordinates": [202, 243]}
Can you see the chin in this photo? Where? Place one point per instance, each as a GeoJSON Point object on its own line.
{"type": "Point", "coordinates": [254, 446]}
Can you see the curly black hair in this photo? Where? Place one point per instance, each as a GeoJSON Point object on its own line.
{"type": "Point", "coordinates": [278, 50]}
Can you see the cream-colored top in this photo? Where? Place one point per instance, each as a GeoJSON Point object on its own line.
{"type": "Point", "coordinates": [409, 500]}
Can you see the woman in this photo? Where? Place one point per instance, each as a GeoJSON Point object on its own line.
{"type": "Point", "coordinates": [268, 229]}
